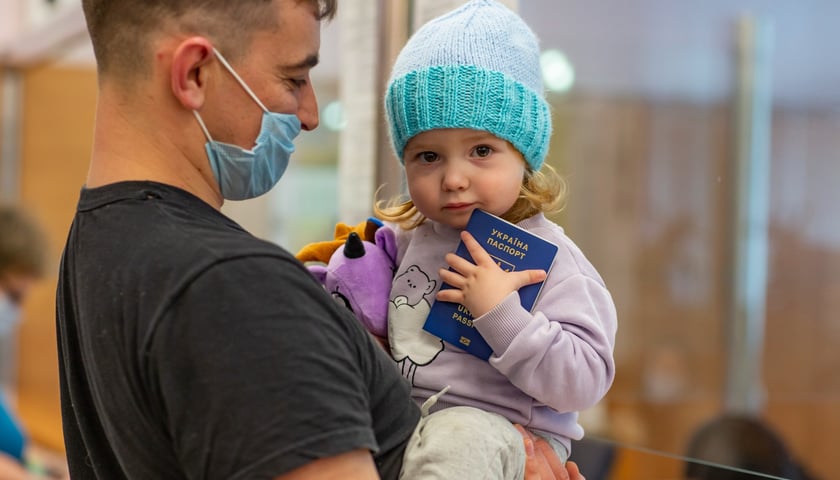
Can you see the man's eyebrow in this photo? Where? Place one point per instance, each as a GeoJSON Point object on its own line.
{"type": "Point", "coordinates": [308, 62]}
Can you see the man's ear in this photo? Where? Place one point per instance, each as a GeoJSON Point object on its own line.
{"type": "Point", "coordinates": [189, 72]}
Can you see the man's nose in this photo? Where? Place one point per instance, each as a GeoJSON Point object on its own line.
{"type": "Point", "coordinates": [308, 109]}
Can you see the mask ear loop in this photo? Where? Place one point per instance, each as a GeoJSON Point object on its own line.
{"type": "Point", "coordinates": [238, 79]}
{"type": "Point", "coordinates": [203, 127]}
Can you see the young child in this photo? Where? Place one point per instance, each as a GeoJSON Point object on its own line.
{"type": "Point", "coordinates": [469, 122]}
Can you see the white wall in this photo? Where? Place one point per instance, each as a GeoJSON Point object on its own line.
{"type": "Point", "coordinates": [34, 30]}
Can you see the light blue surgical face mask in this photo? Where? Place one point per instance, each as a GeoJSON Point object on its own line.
{"type": "Point", "coordinates": [242, 173]}
{"type": "Point", "coordinates": [9, 314]}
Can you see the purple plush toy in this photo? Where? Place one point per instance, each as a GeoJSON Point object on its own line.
{"type": "Point", "coordinates": [359, 276]}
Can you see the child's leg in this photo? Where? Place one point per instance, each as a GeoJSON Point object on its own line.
{"type": "Point", "coordinates": [464, 443]}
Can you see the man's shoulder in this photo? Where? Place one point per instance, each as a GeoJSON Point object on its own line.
{"type": "Point", "coordinates": [166, 220]}
{"type": "Point", "coordinates": [165, 237]}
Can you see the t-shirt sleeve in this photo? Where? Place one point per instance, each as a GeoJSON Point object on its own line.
{"type": "Point", "coordinates": [258, 372]}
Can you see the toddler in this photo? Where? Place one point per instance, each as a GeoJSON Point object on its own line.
{"type": "Point", "coordinates": [469, 122]}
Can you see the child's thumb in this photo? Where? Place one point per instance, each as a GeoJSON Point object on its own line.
{"type": "Point", "coordinates": [529, 277]}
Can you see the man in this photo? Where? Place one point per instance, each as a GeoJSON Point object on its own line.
{"type": "Point", "coordinates": [189, 348]}
{"type": "Point", "coordinates": [23, 260]}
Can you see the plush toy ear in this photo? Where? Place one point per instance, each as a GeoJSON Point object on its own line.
{"type": "Point", "coordinates": [353, 246]}
{"type": "Point", "coordinates": [370, 227]}
{"type": "Point", "coordinates": [319, 272]}
{"type": "Point", "coordinates": [387, 241]}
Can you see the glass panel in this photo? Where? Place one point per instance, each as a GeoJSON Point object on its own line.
{"type": "Point", "coordinates": [646, 138]}
{"type": "Point", "coordinates": [600, 459]}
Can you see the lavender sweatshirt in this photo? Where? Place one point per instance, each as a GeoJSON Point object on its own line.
{"type": "Point", "coordinates": [547, 364]}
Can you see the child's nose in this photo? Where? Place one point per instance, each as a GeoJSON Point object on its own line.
{"type": "Point", "coordinates": [454, 179]}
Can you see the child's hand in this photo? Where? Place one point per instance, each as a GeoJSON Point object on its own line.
{"type": "Point", "coordinates": [482, 286]}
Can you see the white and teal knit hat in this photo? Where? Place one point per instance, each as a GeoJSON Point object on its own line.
{"type": "Point", "coordinates": [475, 67]}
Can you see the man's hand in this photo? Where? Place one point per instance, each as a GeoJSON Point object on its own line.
{"type": "Point", "coordinates": [542, 463]}
{"type": "Point", "coordinates": [483, 285]}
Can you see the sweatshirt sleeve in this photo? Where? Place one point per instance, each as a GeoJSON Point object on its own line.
{"type": "Point", "coordinates": [562, 353]}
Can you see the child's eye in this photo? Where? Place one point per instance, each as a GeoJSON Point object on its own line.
{"type": "Point", "coordinates": [428, 156]}
{"type": "Point", "coordinates": [482, 151]}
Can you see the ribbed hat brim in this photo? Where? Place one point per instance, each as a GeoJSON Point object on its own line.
{"type": "Point", "coordinates": [466, 96]}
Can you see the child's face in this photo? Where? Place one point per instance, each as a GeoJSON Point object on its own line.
{"type": "Point", "coordinates": [451, 172]}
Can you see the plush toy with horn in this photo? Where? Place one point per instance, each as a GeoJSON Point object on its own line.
{"type": "Point", "coordinates": [358, 271]}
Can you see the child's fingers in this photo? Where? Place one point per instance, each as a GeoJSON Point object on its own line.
{"type": "Point", "coordinates": [450, 295]}
{"type": "Point", "coordinates": [478, 253]}
{"type": "Point", "coordinates": [453, 278]}
{"type": "Point", "coordinates": [527, 277]}
{"type": "Point", "coordinates": [459, 264]}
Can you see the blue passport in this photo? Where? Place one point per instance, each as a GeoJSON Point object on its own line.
{"type": "Point", "coordinates": [513, 249]}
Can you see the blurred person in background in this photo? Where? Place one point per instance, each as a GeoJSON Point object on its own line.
{"type": "Point", "coordinates": [23, 261]}
{"type": "Point", "coordinates": [744, 443]}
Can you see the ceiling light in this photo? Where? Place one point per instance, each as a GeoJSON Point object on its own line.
{"type": "Point", "coordinates": [558, 74]}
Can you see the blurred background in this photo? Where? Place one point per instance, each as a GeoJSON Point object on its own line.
{"type": "Point", "coordinates": [699, 140]}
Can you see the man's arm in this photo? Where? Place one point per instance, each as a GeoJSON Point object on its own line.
{"type": "Point", "coordinates": [541, 464]}
{"type": "Point", "coordinates": [354, 465]}
{"type": "Point", "coordinates": [264, 365]}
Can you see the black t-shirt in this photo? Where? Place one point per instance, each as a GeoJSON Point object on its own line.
{"type": "Point", "coordinates": [190, 349]}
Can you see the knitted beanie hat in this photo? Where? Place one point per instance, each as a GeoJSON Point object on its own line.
{"type": "Point", "coordinates": [475, 67]}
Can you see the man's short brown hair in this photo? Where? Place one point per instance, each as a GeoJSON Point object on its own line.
{"type": "Point", "coordinates": [122, 30]}
{"type": "Point", "coordinates": [23, 245]}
